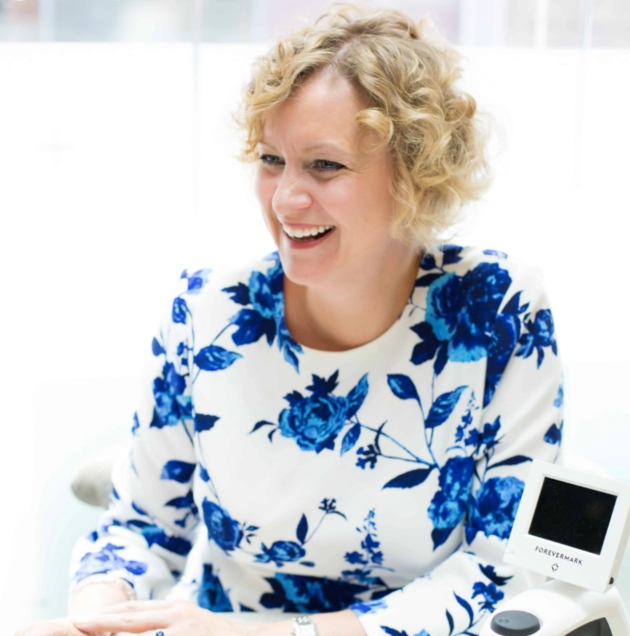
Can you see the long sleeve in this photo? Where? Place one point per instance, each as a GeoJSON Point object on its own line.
{"type": "Point", "coordinates": [481, 482]}
{"type": "Point", "coordinates": [148, 530]}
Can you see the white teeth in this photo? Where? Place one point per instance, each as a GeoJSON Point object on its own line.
{"type": "Point", "coordinates": [306, 232]}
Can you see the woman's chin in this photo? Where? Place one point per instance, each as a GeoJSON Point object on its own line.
{"type": "Point", "coordinates": [308, 267]}
{"type": "Point", "coordinates": [303, 274]}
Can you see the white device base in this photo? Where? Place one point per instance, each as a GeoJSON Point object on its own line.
{"type": "Point", "coordinates": [561, 608]}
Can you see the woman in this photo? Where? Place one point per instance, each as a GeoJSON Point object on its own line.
{"type": "Point", "coordinates": [342, 429]}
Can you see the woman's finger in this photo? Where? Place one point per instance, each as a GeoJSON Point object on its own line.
{"type": "Point", "coordinates": [135, 606]}
{"type": "Point", "coordinates": [134, 622]}
{"type": "Point", "coordinates": [54, 627]}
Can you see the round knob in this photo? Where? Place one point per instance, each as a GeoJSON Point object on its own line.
{"type": "Point", "coordinates": [514, 623]}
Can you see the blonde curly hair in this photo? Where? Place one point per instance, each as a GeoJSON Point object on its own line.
{"type": "Point", "coordinates": [435, 136]}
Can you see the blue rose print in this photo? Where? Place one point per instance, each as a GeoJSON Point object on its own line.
{"type": "Point", "coordinates": [490, 594]}
{"type": "Point", "coordinates": [448, 506]}
{"type": "Point", "coordinates": [460, 313]}
{"type": "Point", "coordinates": [267, 309]}
{"type": "Point", "coordinates": [263, 300]}
{"type": "Point", "coordinates": [493, 509]}
{"type": "Point", "coordinates": [263, 311]}
{"type": "Point", "coordinates": [309, 594]}
{"type": "Point", "coordinates": [105, 560]}
{"type": "Point", "coordinates": [315, 420]}
{"type": "Point", "coordinates": [281, 552]}
{"type": "Point", "coordinates": [539, 334]}
{"type": "Point", "coordinates": [486, 439]}
{"type": "Point", "coordinates": [211, 595]}
{"type": "Point", "coordinates": [171, 405]}
{"type": "Point", "coordinates": [461, 310]}
{"type": "Point", "coordinates": [222, 529]}
{"type": "Point", "coordinates": [497, 498]}
{"type": "Point", "coordinates": [504, 338]}
{"type": "Point", "coordinates": [154, 535]}
{"type": "Point", "coordinates": [444, 304]}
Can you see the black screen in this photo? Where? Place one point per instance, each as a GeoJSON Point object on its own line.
{"type": "Point", "coordinates": [572, 515]}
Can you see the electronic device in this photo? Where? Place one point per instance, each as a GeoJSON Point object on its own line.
{"type": "Point", "coordinates": [573, 527]}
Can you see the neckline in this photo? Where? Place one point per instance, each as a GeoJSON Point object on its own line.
{"type": "Point", "coordinates": [366, 347]}
{"type": "Point", "coordinates": [377, 343]}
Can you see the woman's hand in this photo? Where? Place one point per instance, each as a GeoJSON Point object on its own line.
{"type": "Point", "coordinates": [90, 599]}
{"type": "Point", "coordinates": [56, 627]}
{"type": "Point", "coordinates": [173, 618]}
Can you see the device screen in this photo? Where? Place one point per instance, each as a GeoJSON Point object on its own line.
{"type": "Point", "coordinates": [572, 515]}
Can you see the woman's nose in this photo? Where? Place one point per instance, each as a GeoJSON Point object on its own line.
{"type": "Point", "coordinates": [291, 193]}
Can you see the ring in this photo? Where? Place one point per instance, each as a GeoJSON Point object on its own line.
{"type": "Point", "coordinates": [159, 633]}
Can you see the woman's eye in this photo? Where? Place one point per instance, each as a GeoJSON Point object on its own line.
{"type": "Point", "coordinates": [319, 165]}
{"type": "Point", "coordinates": [323, 165]}
{"type": "Point", "coordinates": [271, 160]}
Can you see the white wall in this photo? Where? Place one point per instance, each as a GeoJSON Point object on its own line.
{"type": "Point", "coordinates": [104, 157]}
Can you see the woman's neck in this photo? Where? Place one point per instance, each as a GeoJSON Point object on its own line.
{"type": "Point", "coordinates": [350, 313]}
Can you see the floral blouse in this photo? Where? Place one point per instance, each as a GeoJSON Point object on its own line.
{"type": "Point", "coordinates": [264, 475]}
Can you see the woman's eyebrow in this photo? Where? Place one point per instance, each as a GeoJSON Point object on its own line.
{"type": "Point", "coordinates": [317, 147]}
{"type": "Point", "coordinates": [326, 145]}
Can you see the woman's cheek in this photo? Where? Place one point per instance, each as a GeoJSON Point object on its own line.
{"type": "Point", "coordinates": [265, 188]}
{"type": "Point", "coordinates": [264, 185]}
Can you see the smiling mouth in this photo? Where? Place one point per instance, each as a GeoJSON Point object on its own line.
{"type": "Point", "coordinates": [307, 234]}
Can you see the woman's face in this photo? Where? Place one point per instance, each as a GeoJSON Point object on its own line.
{"type": "Point", "coordinates": [326, 202]}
